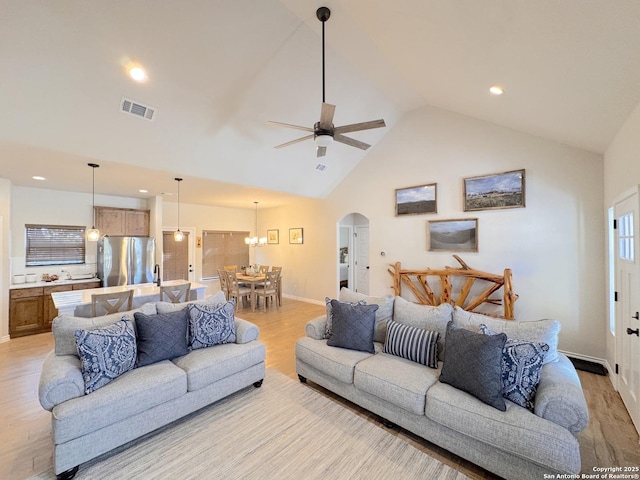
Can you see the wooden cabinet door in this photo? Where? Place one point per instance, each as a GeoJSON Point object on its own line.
{"type": "Point", "coordinates": [137, 223]}
{"type": "Point", "coordinates": [25, 311]}
{"type": "Point", "coordinates": [50, 310]}
{"type": "Point", "coordinates": [86, 285]}
{"type": "Point", "coordinates": [110, 221]}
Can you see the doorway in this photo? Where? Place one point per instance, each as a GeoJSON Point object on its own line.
{"type": "Point", "coordinates": [177, 263]}
{"type": "Point", "coordinates": [627, 280]}
{"type": "Point", "coordinates": [352, 256]}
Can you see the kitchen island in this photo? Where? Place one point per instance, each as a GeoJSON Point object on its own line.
{"type": "Point", "coordinates": [78, 302]}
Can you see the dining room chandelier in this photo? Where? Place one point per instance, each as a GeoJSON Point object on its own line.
{"type": "Point", "coordinates": [178, 236]}
{"type": "Point", "coordinates": [255, 241]}
{"type": "Point", "coordinates": [93, 234]}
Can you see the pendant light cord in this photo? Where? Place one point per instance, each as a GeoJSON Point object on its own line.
{"type": "Point", "coordinates": [323, 62]}
{"type": "Point", "coordinates": [178, 180]}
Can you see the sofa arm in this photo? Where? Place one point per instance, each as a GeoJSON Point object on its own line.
{"type": "Point", "coordinates": [246, 331]}
{"type": "Point", "coordinates": [315, 328]}
{"type": "Point", "coordinates": [60, 380]}
{"type": "Point", "coordinates": [560, 398]}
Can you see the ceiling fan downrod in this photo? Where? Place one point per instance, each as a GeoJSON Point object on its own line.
{"type": "Point", "coordinates": [323, 14]}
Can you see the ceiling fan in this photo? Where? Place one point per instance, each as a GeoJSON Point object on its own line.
{"type": "Point", "coordinates": [323, 132]}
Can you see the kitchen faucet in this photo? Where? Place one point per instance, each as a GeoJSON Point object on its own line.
{"type": "Point", "coordinates": [156, 272]}
{"type": "Point", "coordinates": [67, 273]}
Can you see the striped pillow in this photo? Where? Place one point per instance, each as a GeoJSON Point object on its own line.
{"type": "Point", "coordinates": [412, 343]}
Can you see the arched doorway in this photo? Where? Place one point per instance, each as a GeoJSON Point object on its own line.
{"type": "Point", "coordinates": [352, 254]}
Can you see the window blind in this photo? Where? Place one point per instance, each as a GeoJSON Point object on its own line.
{"type": "Point", "coordinates": [223, 248]}
{"type": "Point", "coordinates": [54, 245]}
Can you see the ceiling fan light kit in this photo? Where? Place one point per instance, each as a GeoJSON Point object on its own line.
{"type": "Point", "coordinates": [324, 132]}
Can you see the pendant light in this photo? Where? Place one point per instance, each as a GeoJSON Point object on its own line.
{"type": "Point", "coordinates": [255, 241]}
{"type": "Point", "coordinates": [178, 236]}
{"type": "Point", "coordinates": [93, 234]}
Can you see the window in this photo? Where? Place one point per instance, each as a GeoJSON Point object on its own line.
{"type": "Point", "coordinates": [223, 248]}
{"type": "Point", "coordinates": [625, 237]}
{"type": "Point", "coordinates": [54, 245]}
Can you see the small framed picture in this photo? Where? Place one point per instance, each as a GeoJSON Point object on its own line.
{"type": "Point", "coordinates": [499, 190]}
{"type": "Point", "coordinates": [417, 200]}
{"type": "Point", "coordinates": [452, 235]}
{"type": "Point", "coordinates": [273, 236]}
{"type": "Point", "coordinates": [296, 235]}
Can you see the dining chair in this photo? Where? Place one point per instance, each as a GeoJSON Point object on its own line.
{"type": "Point", "coordinates": [176, 293]}
{"type": "Point", "coordinates": [224, 283]}
{"type": "Point", "coordinates": [268, 289]}
{"type": "Point", "coordinates": [236, 290]}
{"type": "Point", "coordinates": [264, 268]}
{"type": "Point", "coordinates": [279, 269]}
{"type": "Point", "coordinates": [106, 303]}
{"type": "Point", "coordinates": [231, 268]}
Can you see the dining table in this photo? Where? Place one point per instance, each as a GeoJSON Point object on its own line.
{"type": "Point", "coordinates": [255, 279]}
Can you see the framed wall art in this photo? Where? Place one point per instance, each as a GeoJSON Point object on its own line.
{"type": "Point", "coordinates": [499, 190]}
{"type": "Point", "coordinates": [296, 235]}
{"type": "Point", "coordinates": [417, 200]}
{"type": "Point", "coordinates": [273, 236]}
{"type": "Point", "coordinates": [452, 235]}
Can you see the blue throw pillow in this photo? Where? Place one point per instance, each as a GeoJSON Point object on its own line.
{"type": "Point", "coordinates": [353, 326]}
{"type": "Point", "coordinates": [328, 329]}
{"type": "Point", "coordinates": [162, 336]}
{"type": "Point", "coordinates": [211, 324]}
{"type": "Point", "coordinates": [521, 365]}
{"type": "Point", "coordinates": [106, 353]}
{"type": "Point", "coordinates": [413, 343]}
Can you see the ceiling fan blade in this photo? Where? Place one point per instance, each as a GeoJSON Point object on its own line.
{"type": "Point", "coordinates": [292, 142]}
{"type": "Point", "coordinates": [288, 125]}
{"type": "Point", "coordinates": [351, 141]}
{"type": "Point", "coordinates": [321, 151]}
{"type": "Point", "coordinates": [356, 127]}
{"type": "Point", "coordinates": [326, 116]}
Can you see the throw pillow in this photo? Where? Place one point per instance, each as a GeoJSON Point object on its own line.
{"type": "Point", "coordinates": [521, 365]}
{"type": "Point", "coordinates": [211, 324]}
{"type": "Point", "coordinates": [106, 353]}
{"type": "Point", "coordinates": [383, 314]}
{"type": "Point", "coordinates": [353, 326]}
{"type": "Point", "coordinates": [412, 343]}
{"type": "Point", "coordinates": [162, 336]}
{"type": "Point", "coordinates": [473, 363]}
{"type": "Point", "coordinates": [328, 329]}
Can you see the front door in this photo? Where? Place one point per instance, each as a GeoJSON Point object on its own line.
{"type": "Point", "coordinates": [362, 259]}
{"type": "Point", "coordinates": [628, 289]}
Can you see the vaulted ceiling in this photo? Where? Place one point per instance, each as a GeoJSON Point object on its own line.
{"type": "Point", "coordinates": [218, 70]}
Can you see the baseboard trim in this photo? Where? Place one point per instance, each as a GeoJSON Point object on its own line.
{"type": "Point", "coordinates": [302, 299]}
{"type": "Point", "coordinates": [5, 338]}
{"type": "Point", "coordinates": [600, 366]}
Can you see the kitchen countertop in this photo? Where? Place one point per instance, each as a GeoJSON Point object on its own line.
{"type": "Point", "coordinates": [52, 284]}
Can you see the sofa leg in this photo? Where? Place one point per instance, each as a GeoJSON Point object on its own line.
{"type": "Point", "coordinates": [302, 379]}
{"type": "Point", "coordinates": [68, 474]}
{"type": "Point", "coordinates": [258, 384]}
{"type": "Point", "coordinates": [387, 423]}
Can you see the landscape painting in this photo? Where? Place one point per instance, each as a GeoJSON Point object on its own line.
{"type": "Point", "coordinates": [500, 190]}
{"type": "Point", "coordinates": [417, 200]}
{"type": "Point", "coordinates": [453, 235]}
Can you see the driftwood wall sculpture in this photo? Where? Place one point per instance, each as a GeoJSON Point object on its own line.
{"type": "Point", "coordinates": [474, 288]}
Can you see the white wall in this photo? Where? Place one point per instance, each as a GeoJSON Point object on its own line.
{"type": "Point", "coordinates": [555, 246]}
{"type": "Point", "coordinates": [5, 228]}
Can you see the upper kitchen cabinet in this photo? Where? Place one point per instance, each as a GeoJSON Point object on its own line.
{"type": "Point", "coordinates": [122, 221]}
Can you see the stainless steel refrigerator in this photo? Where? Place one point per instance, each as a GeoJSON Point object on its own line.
{"type": "Point", "coordinates": [126, 260]}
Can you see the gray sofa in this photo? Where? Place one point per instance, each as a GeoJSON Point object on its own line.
{"type": "Point", "coordinates": [515, 444]}
{"type": "Point", "coordinates": [143, 399]}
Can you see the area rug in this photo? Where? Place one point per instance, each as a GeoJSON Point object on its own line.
{"type": "Point", "coordinates": [283, 430]}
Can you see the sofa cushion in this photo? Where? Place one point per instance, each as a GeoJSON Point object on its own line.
{"type": "Point", "coordinates": [521, 366]}
{"type": "Point", "coordinates": [338, 363]}
{"type": "Point", "coordinates": [353, 326]}
{"type": "Point", "coordinates": [412, 343]}
{"type": "Point", "coordinates": [473, 363]}
{"type": "Point", "coordinates": [208, 365]}
{"type": "Point", "coordinates": [383, 314]}
{"type": "Point", "coordinates": [398, 381]}
{"type": "Point", "coordinates": [426, 317]}
{"type": "Point", "coordinates": [136, 391]}
{"type": "Point", "coordinates": [65, 326]}
{"type": "Point", "coordinates": [106, 353]}
{"type": "Point", "coordinates": [211, 324]}
{"type": "Point", "coordinates": [168, 307]}
{"type": "Point", "coordinates": [540, 331]}
{"type": "Point", "coordinates": [328, 328]}
{"type": "Point", "coordinates": [162, 336]}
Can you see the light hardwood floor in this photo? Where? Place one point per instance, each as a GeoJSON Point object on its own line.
{"type": "Point", "coordinates": [25, 444]}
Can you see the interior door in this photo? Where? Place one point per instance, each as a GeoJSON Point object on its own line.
{"type": "Point", "coordinates": [628, 304]}
{"type": "Point", "coordinates": [175, 257]}
{"type": "Point", "coordinates": [362, 259]}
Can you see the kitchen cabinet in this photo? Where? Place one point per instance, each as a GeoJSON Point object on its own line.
{"type": "Point", "coordinates": [31, 309]}
{"type": "Point", "coordinates": [122, 221]}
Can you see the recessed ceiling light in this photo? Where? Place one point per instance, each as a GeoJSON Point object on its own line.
{"type": "Point", "coordinates": [138, 74]}
{"type": "Point", "coordinates": [496, 90]}
{"type": "Point", "coordinates": [38, 177]}
{"type": "Point", "coordinates": [142, 190]}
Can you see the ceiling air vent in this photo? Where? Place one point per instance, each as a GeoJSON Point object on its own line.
{"type": "Point", "coordinates": [136, 108]}
{"type": "Point", "coordinates": [321, 167]}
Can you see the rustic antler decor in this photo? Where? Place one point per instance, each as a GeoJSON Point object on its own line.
{"type": "Point", "coordinates": [417, 281]}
